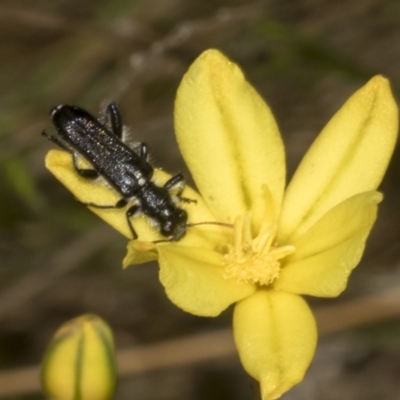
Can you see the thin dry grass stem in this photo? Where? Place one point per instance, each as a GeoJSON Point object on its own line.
{"type": "Point", "coordinates": [219, 344]}
{"type": "Point", "coordinates": [65, 260]}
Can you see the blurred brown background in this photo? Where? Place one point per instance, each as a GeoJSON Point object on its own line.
{"type": "Point", "coordinates": [58, 261]}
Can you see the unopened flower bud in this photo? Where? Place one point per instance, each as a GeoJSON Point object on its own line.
{"type": "Point", "coordinates": [79, 362]}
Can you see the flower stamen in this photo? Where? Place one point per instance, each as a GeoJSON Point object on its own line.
{"type": "Point", "coordinates": [254, 259]}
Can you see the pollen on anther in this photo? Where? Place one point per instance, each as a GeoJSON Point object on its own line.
{"type": "Point", "coordinates": [254, 259]}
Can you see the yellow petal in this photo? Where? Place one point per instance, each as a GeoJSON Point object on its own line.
{"type": "Point", "coordinates": [327, 253]}
{"type": "Point", "coordinates": [98, 192]}
{"type": "Point", "coordinates": [228, 138]}
{"type": "Point", "coordinates": [139, 252]}
{"type": "Point", "coordinates": [275, 334]}
{"type": "Point", "coordinates": [79, 362]}
{"type": "Point", "coordinates": [194, 280]}
{"type": "Point", "coordinates": [350, 156]}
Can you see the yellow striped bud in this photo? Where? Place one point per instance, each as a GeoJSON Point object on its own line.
{"type": "Point", "coordinates": [79, 363]}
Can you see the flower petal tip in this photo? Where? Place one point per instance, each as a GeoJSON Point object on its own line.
{"type": "Point", "coordinates": [378, 82]}
{"type": "Point", "coordinates": [213, 58]}
{"type": "Point", "coordinates": [376, 198]}
{"type": "Point", "coordinates": [379, 86]}
{"type": "Point", "coordinates": [139, 252]}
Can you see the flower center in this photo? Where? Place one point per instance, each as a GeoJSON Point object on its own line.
{"type": "Point", "coordinates": [254, 259]}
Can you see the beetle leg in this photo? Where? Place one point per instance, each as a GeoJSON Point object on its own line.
{"type": "Point", "coordinates": [121, 203]}
{"type": "Point", "coordinates": [113, 120]}
{"type": "Point", "coordinates": [140, 149]}
{"type": "Point", "coordinates": [87, 173]}
{"type": "Point", "coordinates": [84, 172]}
{"type": "Point", "coordinates": [56, 140]}
{"type": "Point", "coordinates": [144, 153]}
{"type": "Point", "coordinates": [135, 209]}
{"type": "Point", "coordinates": [175, 186]}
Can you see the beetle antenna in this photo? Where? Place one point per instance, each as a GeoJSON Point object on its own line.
{"type": "Point", "coordinates": [225, 224]}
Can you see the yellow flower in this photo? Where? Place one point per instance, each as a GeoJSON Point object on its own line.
{"type": "Point", "coordinates": [280, 243]}
{"type": "Point", "coordinates": [79, 362]}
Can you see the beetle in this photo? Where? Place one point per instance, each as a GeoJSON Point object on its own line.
{"type": "Point", "coordinates": [124, 167]}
